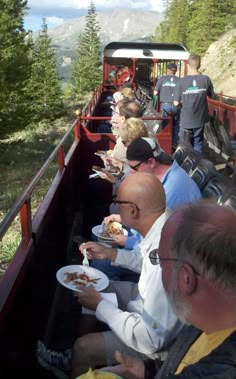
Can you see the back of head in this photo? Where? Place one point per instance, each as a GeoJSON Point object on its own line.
{"type": "Point", "coordinates": [171, 68]}
{"type": "Point", "coordinates": [129, 108]}
{"type": "Point", "coordinates": [194, 61]}
{"type": "Point", "coordinates": [128, 93]}
{"type": "Point", "coordinates": [142, 149]}
{"type": "Point", "coordinates": [206, 238]}
{"type": "Point", "coordinates": [132, 129]}
{"type": "Point", "coordinates": [146, 191]}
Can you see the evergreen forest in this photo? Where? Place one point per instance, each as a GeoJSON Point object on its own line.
{"type": "Point", "coordinates": [31, 87]}
{"type": "Point", "coordinates": [195, 23]}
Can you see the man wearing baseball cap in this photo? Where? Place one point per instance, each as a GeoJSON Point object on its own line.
{"type": "Point", "coordinates": [165, 89]}
{"type": "Point", "coordinates": [146, 155]}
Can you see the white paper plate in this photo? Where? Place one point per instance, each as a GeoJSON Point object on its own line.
{"type": "Point", "coordinates": [97, 231]}
{"type": "Point", "coordinates": [93, 273]}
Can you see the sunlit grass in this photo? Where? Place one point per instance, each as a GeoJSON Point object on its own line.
{"type": "Point", "coordinates": [21, 155]}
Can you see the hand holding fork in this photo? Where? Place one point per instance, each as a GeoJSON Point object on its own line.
{"type": "Point", "coordinates": [85, 261]}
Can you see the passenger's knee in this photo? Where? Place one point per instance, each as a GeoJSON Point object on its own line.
{"type": "Point", "coordinates": [85, 346]}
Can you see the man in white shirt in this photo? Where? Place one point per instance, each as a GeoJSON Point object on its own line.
{"type": "Point", "coordinates": [143, 322]}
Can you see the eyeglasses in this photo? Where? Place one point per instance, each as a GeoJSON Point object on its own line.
{"type": "Point", "coordinates": [115, 201]}
{"type": "Point", "coordinates": [113, 111]}
{"type": "Point", "coordinates": [155, 260]}
{"type": "Point", "coordinates": [135, 167]}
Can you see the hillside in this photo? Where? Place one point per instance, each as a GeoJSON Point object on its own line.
{"type": "Point", "coordinates": [220, 64]}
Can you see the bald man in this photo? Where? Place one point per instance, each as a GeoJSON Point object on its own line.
{"type": "Point", "coordinates": [143, 323]}
{"type": "Point", "coordinates": [198, 272]}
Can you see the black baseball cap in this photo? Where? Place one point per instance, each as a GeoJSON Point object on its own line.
{"type": "Point", "coordinates": [172, 66]}
{"type": "Point", "coordinates": [143, 148]}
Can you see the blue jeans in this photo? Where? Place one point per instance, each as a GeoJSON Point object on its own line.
{"type": "Point", "coordinates": [167, 108]}
{"type": "Point", "coordinates": [196, 136]}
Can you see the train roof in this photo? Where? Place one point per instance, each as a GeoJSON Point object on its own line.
{"type": "Point", "coordinates": [147, 50]}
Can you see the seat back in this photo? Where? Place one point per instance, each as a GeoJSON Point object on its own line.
{"type": "Point", "coordinates": [191, 161]}
{"type": "Point", "coordinates": [203, 172]}
{"type": "Point", "coordinates": [181, 152]}
{"type": "Point", "coordinates": [229, 198]}
{"type": "Point", "coordinates": [215, 188]}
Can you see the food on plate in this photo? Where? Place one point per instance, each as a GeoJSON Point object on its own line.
{"type": "Point", "coordinates": [79, 279]}
{"type": "Point", "coordinates": [98, 375]}
{"type": "Point", "coordinates": [110, 170]}
{"type": "Point", "coordinates": [113, 228]}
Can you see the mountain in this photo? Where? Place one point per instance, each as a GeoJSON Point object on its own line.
{"type": "Point", "coordinates": [116, 25]}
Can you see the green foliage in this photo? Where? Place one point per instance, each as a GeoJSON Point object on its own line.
{"type": "Point", "coordinates": [44, 87]}
{"type": "Point", "coordinates": [208, 21]}
{"type": "Point", "coordinates": [196, 23]}
{"type": "Point", "coordinates": [14, 61]}
{"type": "Point", "coordinates": [173, 28]}
{"type": "Point", "coordinates": [86, 72]}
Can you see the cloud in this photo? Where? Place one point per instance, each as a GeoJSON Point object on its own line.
{"type": "Point", "coordinates": [75, 4]}
{"type": "Point", "coordinates": [59, 11]}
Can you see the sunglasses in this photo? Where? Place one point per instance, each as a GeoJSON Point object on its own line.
{"type": "Point", "coordinates": [135, 167]}
{"type": "Point", "coordinates": [115, 201]}
{"type": "Point", "coordinates": [155, 260]}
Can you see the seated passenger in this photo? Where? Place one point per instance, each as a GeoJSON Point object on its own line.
{"type": "Point", "coordinates": [145, 155]}
{"type": "Point", "coordinates": [120, 95]}
{"type": "Point", "coordinates": [143, 323]}
{"type": "Point", "coordinates": [97, 201]}
{"type": "Point", "coordinates": [122, 112]}
{"type": "Point", "coordinates": [198, 273]}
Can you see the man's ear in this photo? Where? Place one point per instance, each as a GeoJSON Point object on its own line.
{"type": "Point", "coordinates": [187, 280]}
{"type": "Point", "coordinates": [134, 210]}
{"type": "Point", "coordinates": [122, 119]}
{"type": "Point", "coordinates": [152, 162]}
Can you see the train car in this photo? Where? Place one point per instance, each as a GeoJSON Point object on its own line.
{"type": "Point", "coordinates": [29, 288]}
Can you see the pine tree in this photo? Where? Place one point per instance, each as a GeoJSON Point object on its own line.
{"type": "Point", "coordinates": [173, 28]}
{"type": "Point", "coordinates": [14, 63]}
{"type": "Point", "coordinates": [44, 87]}
{"type": "Point", "coordinates": [86, 72]}
{"type": "Point", "coordinates": [208, 21]}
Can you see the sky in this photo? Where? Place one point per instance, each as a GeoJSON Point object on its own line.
{"type": "Point", "coordinates": [59, 11]}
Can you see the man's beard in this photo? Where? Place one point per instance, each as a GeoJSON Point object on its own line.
{"type": "Point", "coordinates": [181, 308]}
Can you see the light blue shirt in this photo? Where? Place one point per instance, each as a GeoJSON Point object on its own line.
{"type": "Point", "coordinates": [179, 188]}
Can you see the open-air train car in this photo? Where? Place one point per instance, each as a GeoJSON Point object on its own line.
{"type": "Point", "coordinates": [28, 286]}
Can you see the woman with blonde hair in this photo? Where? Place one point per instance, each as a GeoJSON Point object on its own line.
{"type": "Point", "coordinates": [128, 93]}
{"type": "Point", "coordinates": [133, 128]}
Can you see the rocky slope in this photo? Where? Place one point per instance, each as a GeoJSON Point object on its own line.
{"type": "Point", "coordinates": [219, 63]}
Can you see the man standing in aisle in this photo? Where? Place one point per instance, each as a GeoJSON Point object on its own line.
{"type": "Point", "coordinates": [165, 89]}
{"type": "Point", "coordinates": [192, 92]}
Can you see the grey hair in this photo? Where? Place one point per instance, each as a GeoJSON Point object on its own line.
{"type": "Point", "coordinates": [206, 239]}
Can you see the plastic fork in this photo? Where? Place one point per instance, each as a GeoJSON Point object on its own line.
{"type": "Point", "coordinates": [85, 261]}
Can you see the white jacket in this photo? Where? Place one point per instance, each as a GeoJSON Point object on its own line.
{"type": "Point", "coordinates": [149, 323]}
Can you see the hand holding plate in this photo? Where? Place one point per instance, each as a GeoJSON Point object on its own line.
{"type": "Point", "coordinates": [88, 297]}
